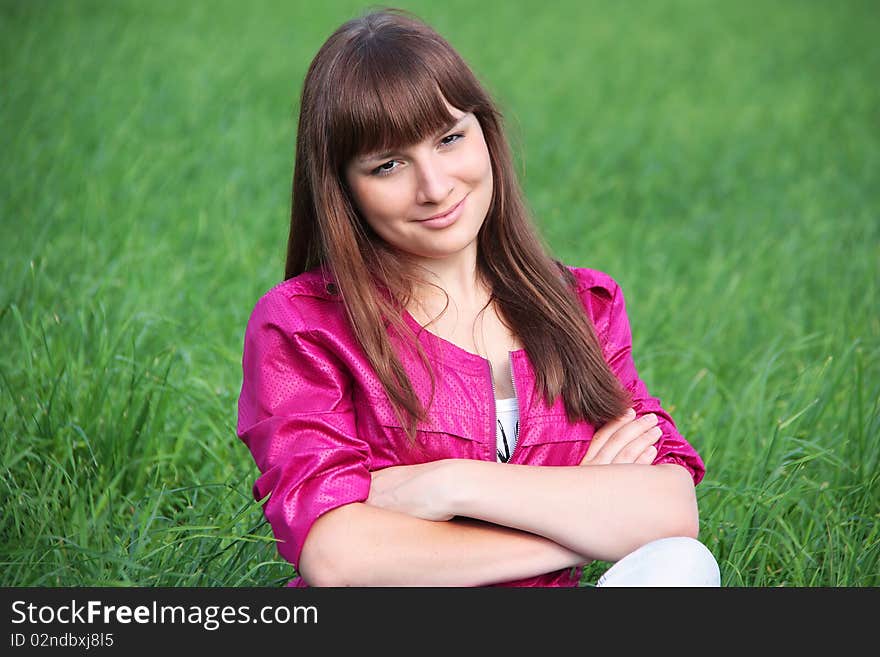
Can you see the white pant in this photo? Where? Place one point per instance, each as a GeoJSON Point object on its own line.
{"type": "Point", "coordinates": [677, 561]}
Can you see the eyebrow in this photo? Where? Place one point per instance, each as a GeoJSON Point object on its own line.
{"type": "Point", "coordinates": [382, 156]}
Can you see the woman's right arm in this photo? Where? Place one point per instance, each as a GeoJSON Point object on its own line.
{"type": "Point", "coordinates": [295, 416]}
{"type": "Point", "coordinates": [464, 552]}
{"type": "Point", "coordinates": [362, 545]}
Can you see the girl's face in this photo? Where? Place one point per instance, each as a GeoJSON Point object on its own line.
{"type": "Point", "coordinates": [428, 199]}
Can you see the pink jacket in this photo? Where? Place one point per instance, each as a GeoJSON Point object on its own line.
{"type": "Point", "coordinates": [317, 420]}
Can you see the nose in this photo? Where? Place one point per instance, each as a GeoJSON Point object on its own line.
{"type": "Point", "coordinates": [433, 184]}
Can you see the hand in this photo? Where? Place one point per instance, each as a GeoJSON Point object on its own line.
{"type": "Point", "coordinates": [625, 440]}
{"type": "Point", "coordinates": [417, 490]}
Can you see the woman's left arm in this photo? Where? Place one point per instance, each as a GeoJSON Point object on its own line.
{"type": "Point", "coordinates": [616, 338]}
{"type": "Point", "coordinates": [603, 511]}
{"type": "Point", "coordinates": [600, 511]}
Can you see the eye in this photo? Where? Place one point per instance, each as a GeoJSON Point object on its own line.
{"type": "Point", "coordinates": [451, 139]}
{"type": "Point", "coordinates": [384, 169]}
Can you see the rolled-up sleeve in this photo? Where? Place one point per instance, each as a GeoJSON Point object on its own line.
{"type": "Point", "coordinates": [296, 417]}
{"type": "Point", "coordinates": [671, 447]}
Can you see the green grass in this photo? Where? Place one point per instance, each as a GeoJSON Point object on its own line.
{"type": "Point", "coordinates": [720, 160]}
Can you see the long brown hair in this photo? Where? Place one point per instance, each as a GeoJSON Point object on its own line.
{"type": "Point", "coordinates": [379, 83]}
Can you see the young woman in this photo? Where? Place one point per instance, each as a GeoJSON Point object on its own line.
{"type": "Point", "coordinates": [430, 397]}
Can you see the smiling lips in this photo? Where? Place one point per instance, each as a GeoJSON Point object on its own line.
{"type": "Point", "coordinates": [448, 217]}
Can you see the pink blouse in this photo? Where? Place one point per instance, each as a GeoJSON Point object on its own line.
{"type": "Point", "coordinates": [317, 421]}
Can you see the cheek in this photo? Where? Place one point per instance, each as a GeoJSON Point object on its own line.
{"type": "Point", "coordinates": [479, 165]}
{"type": "Point", "coordinates": [378, 203]}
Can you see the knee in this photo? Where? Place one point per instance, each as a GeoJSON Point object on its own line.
{"type": "Point", "coordinates": [688, 561]}
{"type": "Point", "coordinates": [675, 561]}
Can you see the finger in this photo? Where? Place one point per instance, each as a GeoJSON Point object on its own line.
{"type": "Point", "coordinates": [647, 457]}
{"type": "Point", "coordinates": [630, 452]}
{"type": "Point", "coordinates": [606, 431]}
{"type": "Point", "coordinates": [625, 435]}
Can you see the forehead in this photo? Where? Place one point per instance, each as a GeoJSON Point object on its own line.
{"type": "Point", "coordinates": [372, 118]}
{"type": "Point", "coordinates": [378, 153]}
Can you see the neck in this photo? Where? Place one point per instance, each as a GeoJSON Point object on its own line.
{"type": "Point", "coordinates": [456, 276]}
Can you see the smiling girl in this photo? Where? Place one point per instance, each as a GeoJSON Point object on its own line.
{"type": "Point", "coordinates": [430, 397]}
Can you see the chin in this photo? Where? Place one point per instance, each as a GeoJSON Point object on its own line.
{"type": "Point", "coordinates": [447, 245]}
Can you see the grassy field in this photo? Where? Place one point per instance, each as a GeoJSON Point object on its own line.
{"type": "Point", "coordinates": [720, 160]}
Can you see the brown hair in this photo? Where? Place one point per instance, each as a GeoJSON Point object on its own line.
{"type": "Point", "coordinates": [379, 83]}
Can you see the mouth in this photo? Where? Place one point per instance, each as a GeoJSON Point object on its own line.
{"type": "Point", "coordinates": [447, 216]}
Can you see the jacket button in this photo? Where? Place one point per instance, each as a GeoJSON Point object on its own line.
{"type": "Point", "coordinates": [332, 289]}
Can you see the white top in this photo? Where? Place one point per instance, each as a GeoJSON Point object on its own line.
{"type": "Point", "coordinates": [506, 427]}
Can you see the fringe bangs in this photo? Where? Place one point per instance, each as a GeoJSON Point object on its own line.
{"type": "Point", "coordinates": [391, 96]}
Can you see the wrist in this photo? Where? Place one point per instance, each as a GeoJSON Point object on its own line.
{"type": "Point", "coordinates": [456, 484]}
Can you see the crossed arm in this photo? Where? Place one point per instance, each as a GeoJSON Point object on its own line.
{"type": "Point", "coordinates": [460, 522]}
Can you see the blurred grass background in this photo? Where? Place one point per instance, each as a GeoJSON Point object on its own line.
{"type": "Point", "coordinates": [720, 160]}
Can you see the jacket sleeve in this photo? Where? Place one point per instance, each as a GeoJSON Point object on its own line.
{"type": "Point", "coordinates": [296, 417]}
{"type": "Point", "coordinates": [671, 448]}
